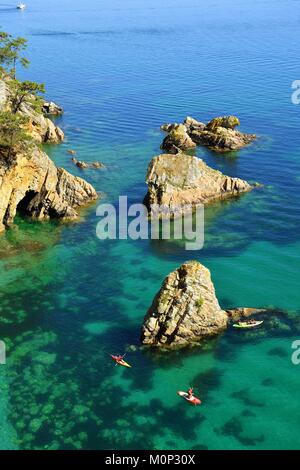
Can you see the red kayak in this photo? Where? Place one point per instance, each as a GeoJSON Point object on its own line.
{"type": "Point", "coordinates": [193, 400]}
{"type": "Point", "coordinates": [119, 360]}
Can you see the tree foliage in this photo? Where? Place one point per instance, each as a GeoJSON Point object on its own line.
{"type": "Point", "coordinates": [11, 53]}
{"type": "Point", "coordinates": [14, 126]}
{"type": "Point", "coordinates": [13, 133]}
{"type": "Point", "coordinates": [25, 92]}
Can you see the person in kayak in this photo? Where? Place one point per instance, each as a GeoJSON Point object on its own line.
{"type": "Point", "coordinates": [190, 393]}
{"type": "Point", "coordinates": [120, 357]}
{"type": "Point", "coordinates": [251, 321]}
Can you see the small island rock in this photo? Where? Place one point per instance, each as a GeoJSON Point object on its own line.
{"type": "Point", "coordinates": [185, 310]}
{"type": "Point", "coordinates": [51, 108]}
{"type": "Point", "coordinates": [219, 134]}
{"type": "Point", "coordinates": [177, 139]}
{"type": "Point", "coordinates": [179, 181]}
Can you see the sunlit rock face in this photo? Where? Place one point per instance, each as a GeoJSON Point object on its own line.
{"type": "Point", "coordinates": [219, 134]}
{"type": "Point", "coordinates": [180, 181]}
{"type": "Point", "coordinates": [31, 184]}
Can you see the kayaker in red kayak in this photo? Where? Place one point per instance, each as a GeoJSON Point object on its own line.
{"type": "Point", "coordinates": [190, 397]}
{"type": "Point", "coordinates": [119, 357]}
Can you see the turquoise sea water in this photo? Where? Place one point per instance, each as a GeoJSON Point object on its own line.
{"type": "Point", "coordinates": [120, 69]}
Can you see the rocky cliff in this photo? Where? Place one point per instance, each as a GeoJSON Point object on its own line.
{"type": "Point", "coordinates": [180, 180]}
{"type": "Point", "coordinates": [40, 127]}
{"type": "Point", "coordinates": [185, 310]}
{"type": "Point", "coordinates": [31, 184]}
{"type": "Point", "coordinates": [219, 134]}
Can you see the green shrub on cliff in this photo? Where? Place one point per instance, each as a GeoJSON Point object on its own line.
{"type": "Point", "coordinates": [14, 123]}
{"type": "Point", "coordinates": [199, 303]}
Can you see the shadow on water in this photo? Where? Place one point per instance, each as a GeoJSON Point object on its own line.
{"type": "Point", "coordinates": [68, 407]}
{"type": "Point", "coordinates": [234, 427]}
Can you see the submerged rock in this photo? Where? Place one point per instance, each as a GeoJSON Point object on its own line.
{"type": "Point", "coordinates": [31, 184]}
{"type": "Point", "coordinates": [185, 310]}
{"type": "Point", "coordinates": [179, 181]}
{"type": "Point", "coordinates": [84, 165]}
{"type": "Point", "coordinates": [219, 134]}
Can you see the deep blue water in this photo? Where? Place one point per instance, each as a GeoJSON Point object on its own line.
{"type": "Point", "coordinates": [120, 69]}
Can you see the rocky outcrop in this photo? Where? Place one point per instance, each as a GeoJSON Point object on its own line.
{"type": "Point", "coordinates": [179, 181]}
{"type": "Point", "coordinates": [31, 184]}
{"type": "Point", "coordinates": [240, 313]}
{"type": "Point", "coordinates": [51, 108]}
{"type": "Point", "coordinates": [219, 134]}
{"type": "Point", "coordinates": [185, 310]}
{"type": "Point", "coordinates": [40, 127]}
{"type": "Point", "coordinates": [177, 139]}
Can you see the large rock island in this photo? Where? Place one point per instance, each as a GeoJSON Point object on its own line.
{"type": "Point", "coordinates": [219, 134]}
{"type": "Point", "coordinates": [179, 181]}
{"type": "Point", "coordinates": [186, 310]}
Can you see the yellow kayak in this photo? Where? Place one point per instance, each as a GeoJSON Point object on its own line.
{"type": "Point", "coordinates": [247, 325]}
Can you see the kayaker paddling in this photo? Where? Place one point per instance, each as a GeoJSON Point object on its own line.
{"type": "Point", "coordinates": [119, 359]}
{"type": "Point", "coordinates": [248, 323]}
{"type": "Point", "coordinates": [190, 397]}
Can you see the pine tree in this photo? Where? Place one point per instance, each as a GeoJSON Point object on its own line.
{"type": "Point", "coordinates": [13, 133]}
{"type": "Point", "coordinates": [11, 50]}
{"type": "Point", "coordinates": [25, 92]}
